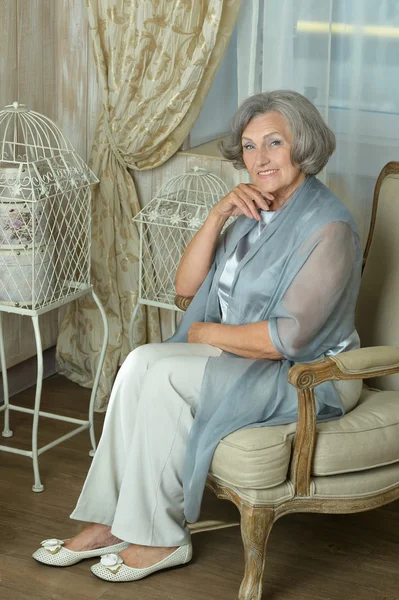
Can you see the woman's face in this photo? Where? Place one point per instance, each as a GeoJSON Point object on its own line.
{"type": "Point", "coordinates": [266, 143]}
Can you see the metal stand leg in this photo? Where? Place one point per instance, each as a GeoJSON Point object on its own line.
{"type": "Point", "coordinates": [6, 431]}
{"type": "Point", "coordinates": [131, 325]}
{"type": "Point", "coordinates": [37, 487]}
{"type": "Point", "coordinates": [98, 372]}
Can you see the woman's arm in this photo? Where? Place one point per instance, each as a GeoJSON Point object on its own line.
{"type": "Point", "coordinates": [198, 256]}
{"type": "Point", "coordinates": [297, 323]}
{"type": "Point", "coordinates": [298, 320]}
{"type": "Point", "coordinates": [249, 341]}
{"type": "Point", "coordinates": [245, 199]}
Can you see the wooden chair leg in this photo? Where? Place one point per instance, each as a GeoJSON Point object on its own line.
{"type": "Point", "coordinates": [256, 525]}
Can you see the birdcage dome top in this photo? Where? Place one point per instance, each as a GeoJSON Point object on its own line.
{"type": "Point", "coordinates": [36, 158]}
{"type": "Point", "coordinates": [185, 200]}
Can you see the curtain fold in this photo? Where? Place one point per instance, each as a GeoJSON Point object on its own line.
{"type": "Point", "coordinates": [342, 56]}
{"type": "Point", "coordinates": [156, 60]}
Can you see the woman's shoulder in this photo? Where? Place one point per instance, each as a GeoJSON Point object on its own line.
{"type": "Point", "coordinates": [323, 206]}
{"type": "Point", "coordinates": [325, 198]}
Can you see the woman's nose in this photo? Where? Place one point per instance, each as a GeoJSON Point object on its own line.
{"type": "Point", "coordinates": [262, 157]}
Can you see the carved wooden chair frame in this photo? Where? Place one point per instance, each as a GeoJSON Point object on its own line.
{"type": "Point", "coordinates": [257, 520]}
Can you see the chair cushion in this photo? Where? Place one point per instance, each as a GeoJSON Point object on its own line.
{"type": "Point", "coordinates": [354, 485]}
{"type": "Point", "coordinates": [360, 485]}
{"type": "Point", "coordinates": [365, 438]}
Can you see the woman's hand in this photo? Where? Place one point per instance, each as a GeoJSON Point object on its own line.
{"type": "Point", "coordinates": [245, 199]}
{"type": "Point", "coordinates": [197, 334]}
{"type": "Point", "coordinates": [249, 341]}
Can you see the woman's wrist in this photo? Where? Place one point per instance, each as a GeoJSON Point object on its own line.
{"type": "Point", "coordinates": [215, 219]}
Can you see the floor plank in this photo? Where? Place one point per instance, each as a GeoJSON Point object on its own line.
{"type": "Point", "coordinates": [310, 557]}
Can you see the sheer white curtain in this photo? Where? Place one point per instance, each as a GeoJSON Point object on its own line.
{"type": "Point", "coordinates": [344, 56]}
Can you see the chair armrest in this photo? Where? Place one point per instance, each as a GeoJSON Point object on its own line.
{"type": "Point", "coordinates": [355, 364]}
{"type": "Point", "coordinates": [182, 302]}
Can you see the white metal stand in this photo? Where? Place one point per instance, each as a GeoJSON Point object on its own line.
{"type": "Point", "coordinates": [35, 452]}
{"type": "Point", "coordinates": [174, 312]}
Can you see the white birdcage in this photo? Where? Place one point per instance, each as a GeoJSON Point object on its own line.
{"type": "Point", "coordinates": [166, 225]}
{"type": "Point", "coordinates": [45, 238]}
{"type": "Point", "coordinates": [44, 212]}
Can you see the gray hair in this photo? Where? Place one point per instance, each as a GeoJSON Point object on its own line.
{"type": "Point", "coordinates": [312, 141]}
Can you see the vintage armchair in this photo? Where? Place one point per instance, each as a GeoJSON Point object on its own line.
{"type": "Point", "coordinates": [343, 466]}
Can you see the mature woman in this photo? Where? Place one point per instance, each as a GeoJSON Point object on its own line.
{"type": "Point", "coordinates": [278, 286]}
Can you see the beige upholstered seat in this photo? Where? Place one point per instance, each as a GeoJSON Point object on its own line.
{"type": "Point", "coordinates": [347, 465]}
{"type": "Point", "coordinates": [365, 438]}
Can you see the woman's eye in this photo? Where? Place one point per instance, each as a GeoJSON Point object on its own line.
{"type": "Point", "coordinates": [248, 146]}
{"type": "Point", "coordinates": [275, 143]}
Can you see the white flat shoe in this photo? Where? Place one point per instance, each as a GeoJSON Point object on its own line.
{"type": "Point", "coordinates": [52, 553]}
{"type": "Point", "coordinates": [112, 567]}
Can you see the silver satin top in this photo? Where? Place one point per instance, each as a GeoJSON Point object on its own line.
{"type": "Point", "coordinates": [227, 277]}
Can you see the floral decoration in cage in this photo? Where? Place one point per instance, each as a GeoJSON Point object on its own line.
{"type": "Point", "coordinates": [167, 224]}
{"type": "Point", "coordinates": [45, 212]}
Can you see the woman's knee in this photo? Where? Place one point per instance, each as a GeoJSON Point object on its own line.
{"type": "Point", "coordinates": [132, 371]}
{"type": "Point", "coordinates": [159, 394]}
{"type": "Point", "coordinates": [160, 369]}
{"type": "Point", "coordinates": [181, 374]}
{"type": "Point", "coordinates": [142, 356]}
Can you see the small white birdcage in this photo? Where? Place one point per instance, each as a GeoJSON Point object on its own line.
{"type": "Point", "coordinates": [44, 212]}
{"type": "Point", "coordinates": [45, 238]}
{"type": "Point", "coordinates": [166, 225]}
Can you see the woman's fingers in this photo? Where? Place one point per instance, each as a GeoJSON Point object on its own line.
{"type": "Point", "coordinates": [265, 198]}
{"type": "Point", "coordinates": [236, 203]}
{"type": "Point", "coordinates": [245, 199]}
{"type": "Point", "coordinates": [247, 203]}
{"type": "Point", "coordinates": [253, 196]}
{"type": "Point", "coordinates": [241, 206]}
{"type": "Point", "coordinates": [249, 209]}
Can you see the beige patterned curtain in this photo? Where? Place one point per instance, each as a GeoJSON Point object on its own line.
{"type": "Point", "coordinates": [156, 60]}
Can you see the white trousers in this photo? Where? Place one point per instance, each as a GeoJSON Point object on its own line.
{"type": "Point", "coordinates": [135, 484]}
{"type": "Point", "coordinates": [135, 481]}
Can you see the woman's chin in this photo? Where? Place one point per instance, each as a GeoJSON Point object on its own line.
{"type": "Point", "coordinates": [268, 185]}
{"type": "Point", "coordinates": [269, 189]}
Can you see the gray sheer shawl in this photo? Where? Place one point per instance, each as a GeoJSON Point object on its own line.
{"type": "Point", "coordinates": [302, 276]}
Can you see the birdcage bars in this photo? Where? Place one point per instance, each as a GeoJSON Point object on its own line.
{"type": "Point", "coordinates": [166, 225]}
{"type": "Point", "coordinates": [45, 218]}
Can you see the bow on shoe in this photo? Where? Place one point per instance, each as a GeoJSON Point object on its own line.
{"type": "Point", "coordinates": [112, 562]}
{"type": "Point", "coordinates": [53, 546]}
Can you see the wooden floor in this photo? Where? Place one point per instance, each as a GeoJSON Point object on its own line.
{"type": "Point", "coordinates": [310, 557]}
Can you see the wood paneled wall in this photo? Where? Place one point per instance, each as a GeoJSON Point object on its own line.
{"type": "Point", "coordinates": [46, 63]}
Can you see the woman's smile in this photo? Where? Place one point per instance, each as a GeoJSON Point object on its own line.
{"type": "Point", "coordinates": [267, 174]}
